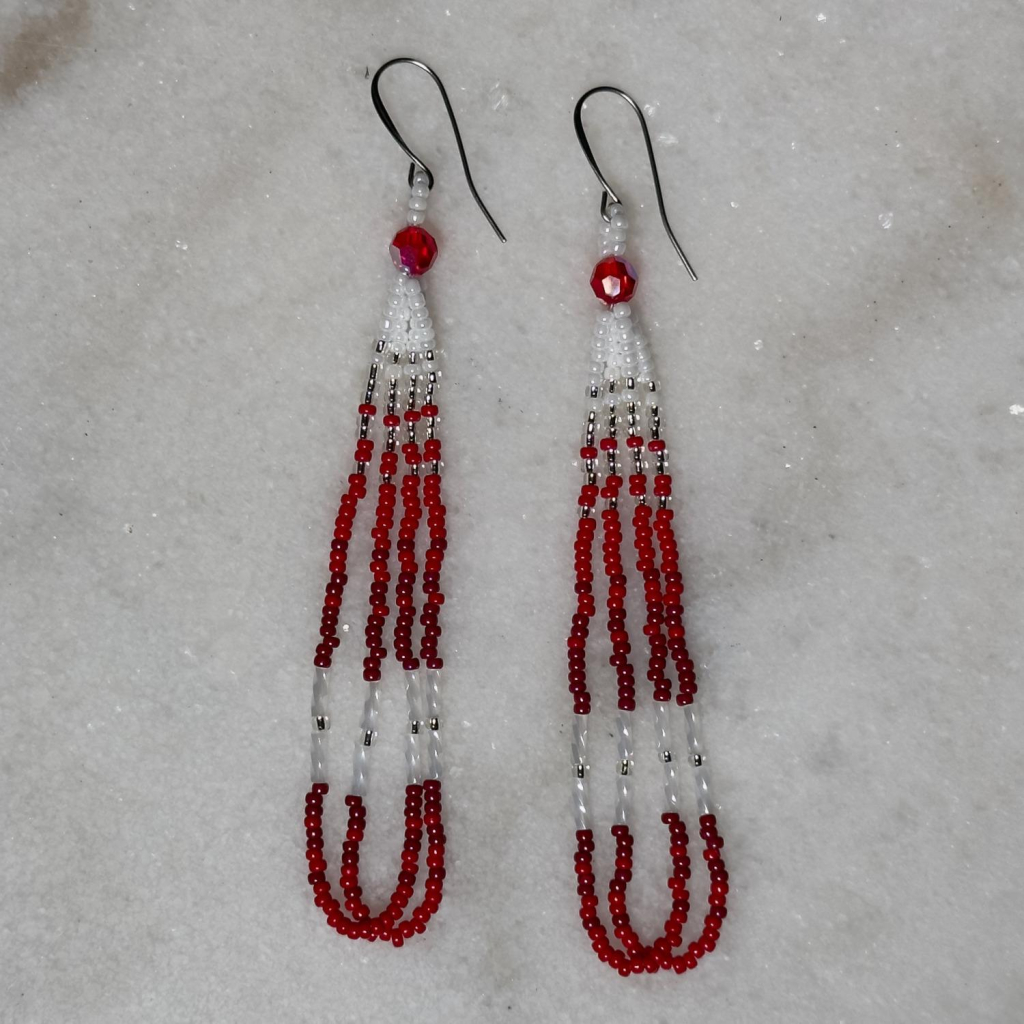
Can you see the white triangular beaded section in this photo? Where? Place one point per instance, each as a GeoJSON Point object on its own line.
{"type": "Point", "coordinates": [406, 327]}
{"type": "Point", "coordinates": [618, 349]}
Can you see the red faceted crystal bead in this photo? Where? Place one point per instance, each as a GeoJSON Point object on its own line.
{"type": "Point", "coordinates": [413, 250]}
{"type": "Point", "coordinates": [613, 280]}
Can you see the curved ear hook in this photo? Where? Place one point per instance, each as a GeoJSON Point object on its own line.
{"type": "Point", "coordinates": [382, 113]}
{"type": "Point", "coordinates": [609, 192]}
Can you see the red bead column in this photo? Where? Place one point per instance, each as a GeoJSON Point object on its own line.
{"type": "Point", "coordinates": [616, 602]}
{"type": "Point", "coordinates": [434, 886]}
{"type": "Point", "coordinates": [380, 577]}
{"type": "Point", "coordinates": [673, 604]}
{"type": "Point", "coordinates": [408, 569]}
{"type": "Point", "coordinates": [432, 564]}
{"type": "Point", "coordinates": [716, 899]}
{"type": "Point", "coordinates": [583, 548]}
{"type": "Point", "coordinates": [335, 590]}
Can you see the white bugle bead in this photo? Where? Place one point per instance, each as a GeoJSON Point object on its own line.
{"type": "Point", "coordinates": [699, 760]}
{"type": "Point", "coordinates": [321, 692]}
{"type": "Point", "coordinates": [414, 698]}
{"type": "Point", "coordinates": [645, 362]}
{"type": "Point", "coordinates": [360, 768]}
{"type": "Point", "coordinates": [668, 756]}
{"type": "Point", "coordinates": [580, 768]}
{"type": "Point", "coordinates": [319, 748]}
{"type": "Point", "coordinates": [321, 725]}
{"type": "Point", "coordinates": [624, 768]}
{"type": "Point", "coordinates": [364, 739]}
{"type": "Point", "coordinates": [433, 705]}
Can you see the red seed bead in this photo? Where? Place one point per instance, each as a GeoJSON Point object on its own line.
{"type": "Point", "coordinates": [414, 250]}
{"type": "Point", "coordinates": [613, 280]}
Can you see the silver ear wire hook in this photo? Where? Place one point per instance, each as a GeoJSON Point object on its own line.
{"type": "Point", "coordinates": [382, 113]}
{"type": "Point", "coordinates": [609, 192]}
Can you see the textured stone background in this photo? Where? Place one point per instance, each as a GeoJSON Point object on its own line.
{"type": "Point", "coordinates": [194, 215]}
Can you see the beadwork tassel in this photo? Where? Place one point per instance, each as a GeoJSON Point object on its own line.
{"type": "Point", "coordinates": [624, 460]}
{"type": "Point", "coordinates": [403, 375]}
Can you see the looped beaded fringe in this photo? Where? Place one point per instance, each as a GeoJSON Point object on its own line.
{"type": "Point", "coordinates": [625, 460]}
{"type": "Point", "coordinates": [403, 376]}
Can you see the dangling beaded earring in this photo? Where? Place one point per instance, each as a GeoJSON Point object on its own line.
{"type": "Point", "coordinates": [403, 379]}
{"type": "Point", "coordinates": [622, 449]}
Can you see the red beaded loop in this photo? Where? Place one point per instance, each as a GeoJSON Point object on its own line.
{"type": "Point", "coordinates": [656, 563]}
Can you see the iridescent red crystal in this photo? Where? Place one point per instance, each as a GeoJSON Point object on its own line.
{"type": "Point", "coordinates": [413, 250]}
{"type": "Point", "coordinates": [613, 280]}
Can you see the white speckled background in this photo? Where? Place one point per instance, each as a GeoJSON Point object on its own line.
{"type": "Point", "coordinates": [194, 215]}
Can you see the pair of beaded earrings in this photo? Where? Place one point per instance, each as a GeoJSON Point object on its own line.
{"type": "Point", "coordinates": [624, 460]}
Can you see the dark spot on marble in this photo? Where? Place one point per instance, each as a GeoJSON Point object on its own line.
{"type": "Point", "coordinates": [42, 40]}
{"type": "Point", "coordinates": [828, 755]}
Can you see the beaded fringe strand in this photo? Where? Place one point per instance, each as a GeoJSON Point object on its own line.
{"type": "Point", "coordinates": [624, 456]}
{"type": "Point", "coordinates": [403, 375]}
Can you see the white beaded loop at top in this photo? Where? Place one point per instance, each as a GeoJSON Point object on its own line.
{"type": "Point", "coordinates": [613, 231]}
{"type": "Point", "coordinates": [406, 328]}
{"type": "Point", "coordinates": [419, 192]}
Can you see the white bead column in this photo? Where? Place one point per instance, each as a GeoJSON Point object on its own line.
{"type": "Point", "coordinates": [433, 704]}
{"type": "Point", "coordinates": [321, 725]}
{"type": "Point", "coordinates": [581, 787]}
{"type": "Point", "coordinates": [624, 768]}
{"type": "Point", "coordinates": [413, 753]}
{"type": "Point", "coordinates": [698, 758]}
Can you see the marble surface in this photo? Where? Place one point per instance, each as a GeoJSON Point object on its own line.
{"type": "Point", "coordinates": [194, 215]}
